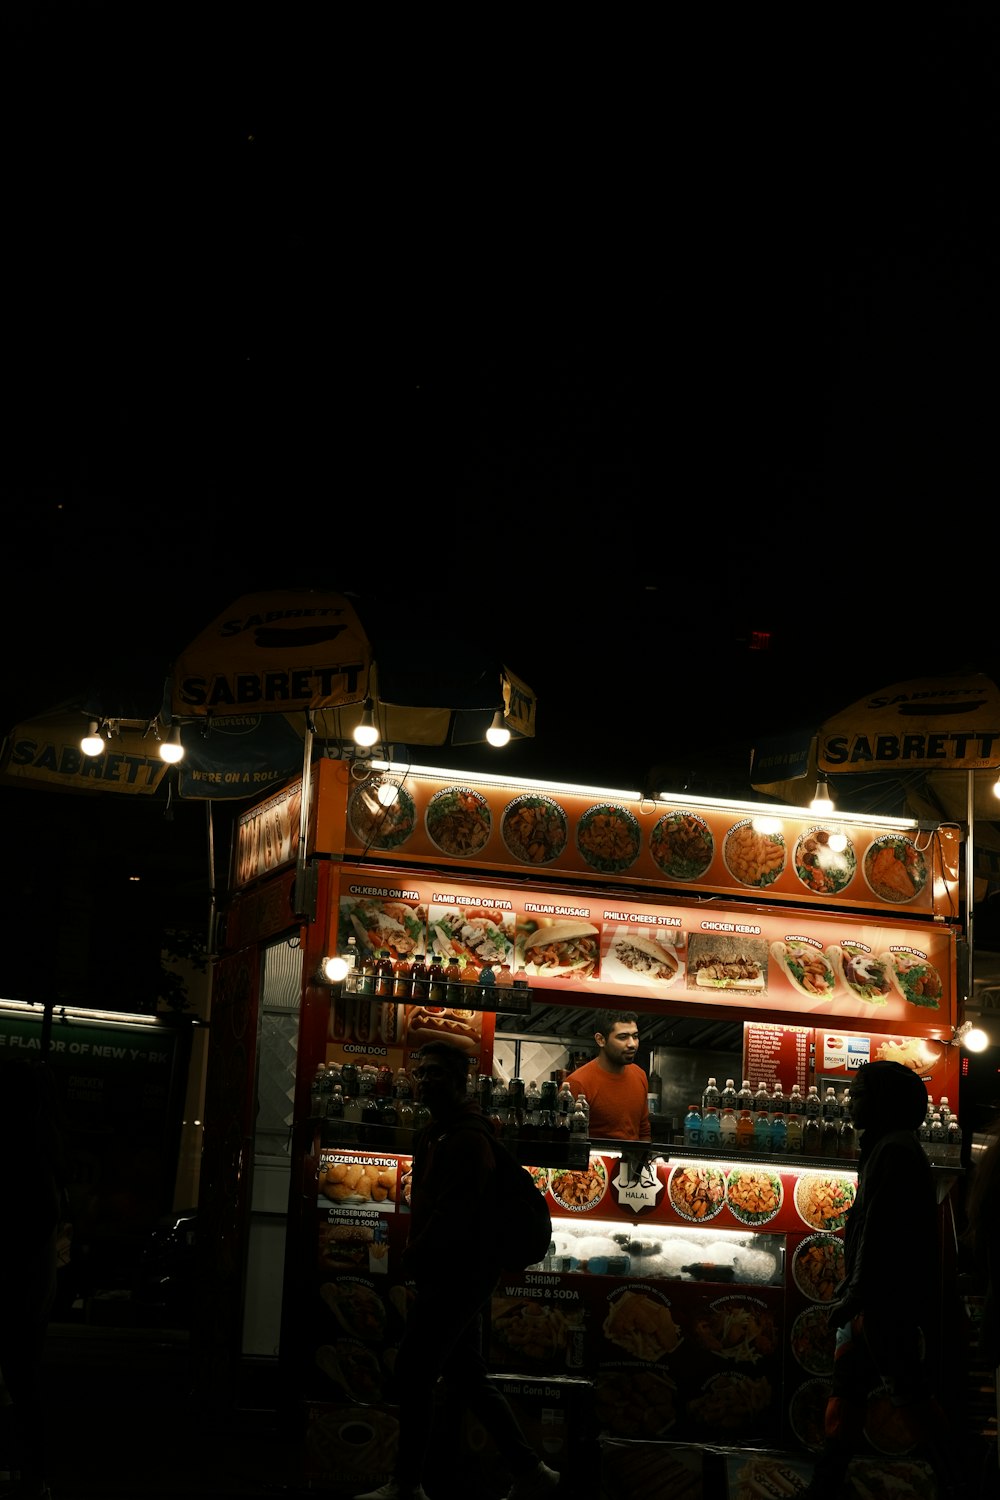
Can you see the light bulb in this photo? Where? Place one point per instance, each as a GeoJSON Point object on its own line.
{"type": "Point", "coordinates": [388, 793]}
{"type": "Point", "coordinates": [996, 787]}
{"type": "Point", "coordinates": [822, 802]}
{"type": "Point", "coordinates": [171, 749]}
{"type": "Point", "coordinates": [366, 733]}
{"type": "Point", "coordinates": [498, 733]}
{"type": "Point", "coordinates": [333, 969]}
{"type": "Point", "coordinates": [837, 842]}
{"type": "Point", "coordinates": [92, 744]}
{"type": "Point", "coordinates": [975, 1040]}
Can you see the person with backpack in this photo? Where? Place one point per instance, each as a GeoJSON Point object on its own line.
{"type": "Point", "coordinates": [454, 1260]}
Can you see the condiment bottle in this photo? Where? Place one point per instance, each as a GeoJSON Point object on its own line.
{"type": "Point", "coordinates": [419, 979]}
{"type": "Point", "coordinates": [435, 981]}
{"type": "Point", "coordinates": [366, 978]}
{"type": "Point", "coordinates": [384, 977]}
{"type": "Point", "coordinates": [453, 983]}
{"type": "Point", "coordinates": [401, 978]}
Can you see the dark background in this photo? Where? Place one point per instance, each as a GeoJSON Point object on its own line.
{"type": "Point", "coordinates": [621, 355]}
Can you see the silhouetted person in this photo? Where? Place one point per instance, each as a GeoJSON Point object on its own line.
{"type": "Point", "coordinates": [882, 1399]}
{"type": "Point", "coordinates": [33, 1178]}
{"type": "Point", "coordinates": [982, 1235]}
{"type": "Point", "coordinates": [452, 1259]}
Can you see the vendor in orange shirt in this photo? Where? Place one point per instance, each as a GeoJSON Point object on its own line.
{"type": "Point", "coordinates": [615, 1087]}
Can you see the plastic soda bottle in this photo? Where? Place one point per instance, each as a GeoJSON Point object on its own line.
{"type": "Point", "coordinates": [794, 1130]}
{"type": "Point", "coordinates": [727, 1098]}
{"type": "Point", "coordinates": [779, 1134]}
{"type": "Point", "coordinates": [711, 1138]}
{"type": "Point", "coordinates": [710, 1097]}
{"type": "Point", "coordinates": [727, 1130]}
{"type": "Point", "coordinates": [692, 1126]}
{"type": "Point", "coordinates": [762, 1131]}
{"type": "Point", "coordinates": [744, 1131]}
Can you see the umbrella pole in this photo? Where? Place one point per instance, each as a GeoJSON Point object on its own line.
{"type": "Point", "coordinates": [970, 880]}
{"type": "Point", "coordinates": [301, 871]}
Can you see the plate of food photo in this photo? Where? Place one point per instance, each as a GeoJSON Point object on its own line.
{"type": "Point", "coordinates": [697, 1193]}
{"type": "Point", "coordinates": [895, 869]}
{"type": "Point", "coordinates": [535, 829]}
{"type": "Point", "coordinates": [753, 1195]}
{"type": "Point", "coordinates": [379, 827]}
{"type": "Point", "coordinates": [818, 1266]}
{"type": "Point", "coordinates": [642, 1324]}
{"type": "Point", "coordinates": [823, 1202]}
{"type": "Point", "coordinates": [807, 1410]}
{"type": "Point", "coordinates": [682, 845]}
{"type": "Point", "coordinates": [458, 821]}
{"type": "Point", "coordinates": [752, 858]}
{"type": "Point", "coordinates": [813, 1340]}
{"type": "Point", "coordinates": [635, 1403]}
{"type": "Point", "coordinates": [739, 1329]}
{"type": "Point", "coordinates": [532, 1330]}
{"type": "Point", "coordinates": [579, 1191]}
{"type": "Point", "coordinates": [608, 837]}
{"type": "Point", "coordinates": [825, 862]}
{"type": "Point", "coordinates": [358, 1310]}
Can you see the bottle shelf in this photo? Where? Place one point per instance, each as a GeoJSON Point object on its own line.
{"type": "Point", "coordinates": [457, 995]}
{"type": "Point", "coordinates": [532, 1151]}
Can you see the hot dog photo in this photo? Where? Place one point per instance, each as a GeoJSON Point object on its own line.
{"type": "Point", "coordinates": [423, 1024]}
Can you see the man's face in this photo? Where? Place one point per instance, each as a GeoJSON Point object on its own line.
{"type": "Point", "coordinates": [859, 1100]}
{"type": "Point", "coordinates": [435, 1086]}
{"type": "Point", "coordinates": [622, 1043]}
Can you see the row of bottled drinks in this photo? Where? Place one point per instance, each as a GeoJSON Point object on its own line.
{"type": "Point", "coordinates": [732, 1120]}
{"type": "Point", "coordinates": [368, 1095]}
{"type": "Point", "coordinates": [426, 978]}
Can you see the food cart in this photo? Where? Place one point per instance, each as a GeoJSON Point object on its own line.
{"type": "Point", "coordinates": [681, 1302]}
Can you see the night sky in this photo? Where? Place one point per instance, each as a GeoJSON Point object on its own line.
{"type": "Point", "coordinates": [612, 368]}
